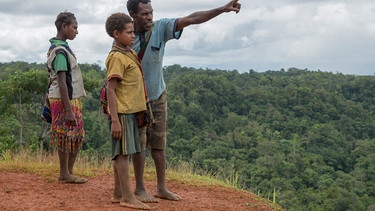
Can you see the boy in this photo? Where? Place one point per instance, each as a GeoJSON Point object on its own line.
{"type": "Point", "coordinates": [126, 97]}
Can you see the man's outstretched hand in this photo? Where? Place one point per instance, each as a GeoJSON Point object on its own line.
{"type": "Point", "coordinates": [233, 6]}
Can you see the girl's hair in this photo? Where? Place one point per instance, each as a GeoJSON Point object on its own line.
{"type": "Point", "coordinates": [64, 17]}
{"type": "Point", "coordinates": [117, 22]}
{"type": "Point", "coordinates": [132, 5]}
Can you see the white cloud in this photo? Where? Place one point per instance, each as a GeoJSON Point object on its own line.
{"type": "Point", "coordinates": [329, 35]}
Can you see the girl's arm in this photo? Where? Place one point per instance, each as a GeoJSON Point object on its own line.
{"type": "Point", "coordinates": [70, 118]}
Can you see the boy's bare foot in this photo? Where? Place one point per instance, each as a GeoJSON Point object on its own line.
{"type": "Point", "coordinates": [115, 200]}
{"type": "Point", "coordinates": [168, 195]}
{"type": "Point", "coordinates": [143, 196]}
{"type": "Point", "coordinates": [134, 204]}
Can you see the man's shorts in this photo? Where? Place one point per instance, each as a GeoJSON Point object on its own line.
{"type": "Point", "coordinates": [156, 136]}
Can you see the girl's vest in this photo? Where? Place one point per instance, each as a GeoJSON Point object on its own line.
{"type": "Point", "coordinates": [74, 76]}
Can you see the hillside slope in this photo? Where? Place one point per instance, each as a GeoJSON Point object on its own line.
{"type": "Point", "coordinates": [27, 191]}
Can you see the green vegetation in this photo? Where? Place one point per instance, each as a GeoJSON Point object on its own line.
{"type": "Point", "coordinates": [305, 139]}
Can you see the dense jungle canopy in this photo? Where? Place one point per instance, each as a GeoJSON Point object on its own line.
{"type": "Point", "coordinates": [308, 135]}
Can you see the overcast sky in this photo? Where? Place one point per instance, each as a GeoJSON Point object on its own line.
{"type": "Point", "coordinates": [332, 36]}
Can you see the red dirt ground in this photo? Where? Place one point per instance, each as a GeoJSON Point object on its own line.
{"type": "Point", "coordinates": [26, 191]}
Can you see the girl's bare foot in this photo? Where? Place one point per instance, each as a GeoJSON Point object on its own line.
{"type": "Point", "coordinates": [72, 180]}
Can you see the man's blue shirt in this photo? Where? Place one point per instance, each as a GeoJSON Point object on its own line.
{"type": "Point", "coordinates": [152, 62]}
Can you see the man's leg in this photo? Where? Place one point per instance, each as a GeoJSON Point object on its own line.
{"type": "Point", "coordinates": [160, 164]}
{"type": "Point", "coordinates": [157, 140]}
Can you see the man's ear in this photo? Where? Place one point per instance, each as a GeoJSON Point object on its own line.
{"type": "Point", "coordinates": [131, 13]}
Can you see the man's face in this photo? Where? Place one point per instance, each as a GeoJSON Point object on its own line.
{"type": "Point", "coordinates": [143, 18]}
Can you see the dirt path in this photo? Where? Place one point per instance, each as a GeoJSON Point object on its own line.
{"type": "Point", "coordinates": [25, 191]}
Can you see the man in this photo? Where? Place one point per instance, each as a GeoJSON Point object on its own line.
{"type": "Point", "coordinates": [152, 62]}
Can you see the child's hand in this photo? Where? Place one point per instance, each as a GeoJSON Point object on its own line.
{"type": "Point", "coordinates": [116, 130]}
{"type": "Point", "coordinates": [70, 118]}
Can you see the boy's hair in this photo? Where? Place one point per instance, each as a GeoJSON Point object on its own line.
{"type": "Point", "coordinates": [132, 5]}
{"type": "Point", "coordinates": [117, 22]}
{"type": "Point", "coordinates": [64, 17]}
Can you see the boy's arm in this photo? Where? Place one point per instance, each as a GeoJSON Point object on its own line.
{"type": "Point", "coordinates": [203, 16]}
{"type": "Point", "coordinates": [112, 105]}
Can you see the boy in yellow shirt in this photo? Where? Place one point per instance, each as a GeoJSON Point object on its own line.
{"type": "Point", "coordinates": [126, 97]}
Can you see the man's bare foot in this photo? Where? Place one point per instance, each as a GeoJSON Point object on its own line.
{"type": "Point", "coordinates": [134, 204]}
{"type": "Point", "coordinates": [143, 196]}
{"type": "Point", "coordinates": [168, 195]}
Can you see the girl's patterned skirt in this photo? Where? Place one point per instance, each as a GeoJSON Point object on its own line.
{"type": "Point", "coordinates": [64, 137]}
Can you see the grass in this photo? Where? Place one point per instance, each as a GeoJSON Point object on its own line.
{"type": "Point", "coordinates": [47, 165]}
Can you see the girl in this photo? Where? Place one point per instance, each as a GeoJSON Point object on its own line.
{"type": "Point", "coordinates": [66, 89]}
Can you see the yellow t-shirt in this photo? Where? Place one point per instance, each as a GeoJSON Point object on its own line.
{"type": "Point", "coordinates": [130, 95]}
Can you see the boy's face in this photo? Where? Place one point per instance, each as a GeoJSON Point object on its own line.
{"type": "Point", "coordinates": [70, 31]}
{"type": "Point", "coordinates": [126, 37]}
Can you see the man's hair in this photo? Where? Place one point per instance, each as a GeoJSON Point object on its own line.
{"type": "Point", "coordinates": [117, 22]}
{"type": "Point", "coordinates": [64, 17]}
{"type": "Point", "coordinates": [132, 5]}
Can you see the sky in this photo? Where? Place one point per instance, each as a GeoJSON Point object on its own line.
{"type": "Point", "coordinates": [318, 35]}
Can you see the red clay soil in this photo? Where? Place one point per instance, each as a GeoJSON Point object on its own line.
{"type": "Point", "coordinates": [26, 191]}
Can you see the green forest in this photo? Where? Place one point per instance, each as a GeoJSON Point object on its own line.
{"type": "Point", "coordinates": [307, 135]}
